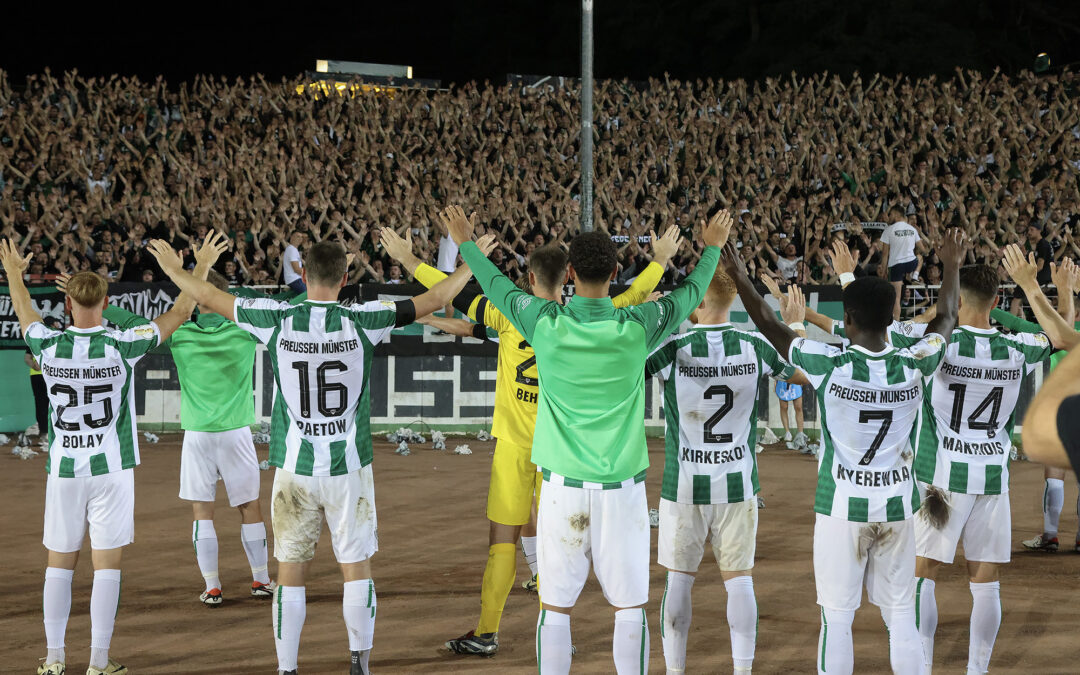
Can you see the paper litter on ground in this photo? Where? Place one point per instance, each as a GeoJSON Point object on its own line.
{"type": "Point", "coordinates": [462, 450]}
{"type": "Point", "coordinates": [150, 438]}
{"type": "Point", "coordinates": [438, 440]}
{"type": "Point", "coordinates": [403, 449]}
{"type": "Point", "coordinates": [483, 435]}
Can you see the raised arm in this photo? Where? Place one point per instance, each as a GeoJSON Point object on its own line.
{"type": "Point", "coordinates": [1024, 272]}
{"type": "Point", "coordinates": [953, 251]}
{"type": "Point", "coordinates": [200, 291]}
{"type": "Point", "coordinates": [205, 257]}
{"type": "Point", "coordinates": [663, 249]}
{"type": "Point", "coordinates": [443, 293]}
{"type": "Point", "coordinates": [459, 327]}
{"type": "Point", "coordinates": [763, 316]}
{"type": "Point", "coordinates": [1050, 427]}
{"type": "Point", "coordinates": [14, 266]}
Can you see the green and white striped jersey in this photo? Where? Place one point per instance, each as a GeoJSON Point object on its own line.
{"type": "Point", "coordinates": [88, 376]}
{"type": "Point", "coordinates": [321, 353]}
{"type": "Point", "coordinates": [965, 437]}
{"type": "Point", "coordinates": [870, 404]}
{"type": "Point", "coordinates": [900, 333]}
{"type": "Point", "coordinates": [711, 384]}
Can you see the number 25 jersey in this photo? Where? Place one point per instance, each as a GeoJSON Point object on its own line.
{"type": "Point", "coordinates": [321, 353]}
{"type": "Point", "coordinates": [869, 404]}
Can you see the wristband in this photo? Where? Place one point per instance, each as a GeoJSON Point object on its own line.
{"type": "Point", "coordinates": [846, 278]}
{"type": "Point", "coordinates": [797, 326]}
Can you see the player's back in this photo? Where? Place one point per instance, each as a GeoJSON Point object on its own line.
{"type": "Point", "coordinates": [214, 362]}
{"type": "Point", "coordinates": [321, 353]}
{"type": "Point", "coordinates": [88, 374]}
{"type": "Point", "coordinates": [712, 376]}
{"type": "Point", "coordinates": [870, 402]}
{"type": "Point", "coordinates": [517, 384]}
{"type": "Point", "coordinates": [965, 437]}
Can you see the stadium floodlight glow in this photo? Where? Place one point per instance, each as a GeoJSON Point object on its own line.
{"type": "Point", "coordinates": [322, 66]}
{"type": "Point", "coordinates": [363, 69]}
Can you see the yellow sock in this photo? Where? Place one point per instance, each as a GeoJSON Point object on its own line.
{"type": "Point", "coordinates": [498, 580]}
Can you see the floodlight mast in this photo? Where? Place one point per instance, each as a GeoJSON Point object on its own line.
{"type": "Point", "coordinates": [586, 115]}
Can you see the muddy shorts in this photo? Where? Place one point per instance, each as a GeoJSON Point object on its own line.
{"type": "Point", "coordinates": [879, 555]}
{"type": "Point", "coordinates": [684, 528]}
{"type": "Point", "coordinates": [298, 505]}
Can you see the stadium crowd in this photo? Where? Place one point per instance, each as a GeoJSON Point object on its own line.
{"type": "Point", "coordinates": [92, 167]}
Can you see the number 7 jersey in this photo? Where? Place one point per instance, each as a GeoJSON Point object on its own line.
{"type": "Point", "coordinates": [870, 404]}
{"type": "Point", "coordinates": [321, 354]}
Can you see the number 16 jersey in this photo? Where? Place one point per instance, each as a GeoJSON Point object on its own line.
{"type": "Point", "coordinates": [869, 403]}
{"type": "Point", "coordinates": [321, 354]}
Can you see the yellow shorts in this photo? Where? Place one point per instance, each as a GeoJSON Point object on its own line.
{"type": "Point", "coordinates": [514, 478]}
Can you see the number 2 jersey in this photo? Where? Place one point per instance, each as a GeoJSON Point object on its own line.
{"type": "Point", "coordinates": [88, 375]}
{"type": "Point", "coordinates": [870, 404]}
{"type": "Point", "coordinates": [321, 354]}
{"type": "Point", "coordinates": [965, 437]}
{"type": "Point", "coordinates": [711, 385]}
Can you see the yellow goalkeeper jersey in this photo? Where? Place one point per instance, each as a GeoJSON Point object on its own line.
{"type": "Point", "coordinates": [517, 388]}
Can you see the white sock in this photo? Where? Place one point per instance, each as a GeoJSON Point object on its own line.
{"type": "Point", "coordinates": [254, 538]}
{"type": "Point", "coordinates": [676, 610]}
{"type": "Point", "coordinates": [528, 547]}
{"type": "Point", "coordinates": [836, 654]}
{"type": "Point", "coordinates": [905, 649]}
{"type": "Point", "coordinates": [630, 645]}
{"type": "Point", "coordinates": [926, 617]}
{"type": "Point", "coordinates": [1053, 500]}
{"type": "Point", "coordinates": [104, 603]}
{"type": "Point", "coordinates": [358, 607]}
{"type": "Point", "coordinates": [742, 616]}
{"type": "Point", "coordinates": [985, 621]}
{"type": "Point", "coordinates": [289, 611]}
{"type": "Point", "coordinates": [204, 539]}
{"type": "Point", "coordinates": [553, 643]}
{"type": "Point", "coordinates": [56, 604]}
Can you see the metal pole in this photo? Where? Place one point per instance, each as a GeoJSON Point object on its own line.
{"type": "Point", "coordinates": [586, 115]}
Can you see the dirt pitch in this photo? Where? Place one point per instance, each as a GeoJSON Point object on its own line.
{"type": "Point", "coordinates": [433, 541]}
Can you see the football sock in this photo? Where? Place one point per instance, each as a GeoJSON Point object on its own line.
{"type": "Point", "coordinates": [553, 643]}
{"type": "Point", "coordinates": [289, 612]}
{"type": "Point", "coordinates": [630, 645]}
{"type": "Point", "coordinates": [905, 649]}
{"type": "Point", "coordinates": [56, 603]}
{"type": "Point", "coordinates": [104, 604]}
{"type": "Point", "coordinates": [985, 621]}
{"type": "Point", "coordinates": [528, 547]}
{"type": "Point", "coordinates": [254, 538]}
{"type": "Point", "coordinates": [926, 618]}
{"type": "Point", "coordinates": [498, 580]}
{"type": "Point", "coordinates": [676, 610]}
{"type": "Point", "coordinates": [836, 655]}
{"type": "Point", "coordinates": [742, 616]}
{"type": "Point", "coordinates": [204, 538]}
{"type": "Point", "coordinates": [1053, 500]}
{"type": "Point", "coordinates": [358, 607]}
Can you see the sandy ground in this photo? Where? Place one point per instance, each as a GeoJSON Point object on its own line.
{"type": "Point", "coordinates": [433, 540]}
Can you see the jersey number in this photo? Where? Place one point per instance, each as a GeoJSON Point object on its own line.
{"type": "Point", "coordinates": [525, 365]}
{"type": "Point", "coordinates": [324, 388]}
{"type": "Point", "coordinates": [725, 408]}
{"type": "Point", "coordinates": [992, 401]}
{"type": "Point", "coordinates": [885, 417]}
{"type": "Point", "coordinates": [88, 398]}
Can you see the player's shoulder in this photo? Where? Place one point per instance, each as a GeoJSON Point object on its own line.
{"type": "Point", "coordinates": [263, 304]}
{"type": "Point", "coordinates": [928, 344]}
{"type": "Point", "coordinates": [146, 331]}
{"type": "Point", "coordinates": [366, 307]}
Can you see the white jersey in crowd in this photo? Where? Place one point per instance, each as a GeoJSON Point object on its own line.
{"type": "Point", "coordinates": [291, 255]}
{"type": "Point", "coordinates": [711, 378]}
{"type": "Point", "coordinates": [869, 404]}
{"type": "Point", "coordinates": [901, 238]}
{"type": "Point", "coordinates": [448, 253]}
{"type": "Point", "coordinates": [88, 376]}
{"type": "Point", "coordinates": [322, 353]}
{"type": "Point", "coordinates": [965, 437]}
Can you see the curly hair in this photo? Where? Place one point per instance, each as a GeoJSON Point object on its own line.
{"type": "Point", "coordinates": [593, 256]}
{"type": "Point", "coordinates": [868, 301]}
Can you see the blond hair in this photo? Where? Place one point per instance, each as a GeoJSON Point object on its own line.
{"type": "Point", "coordinates": [87, 289]}
{"type": "Point", "coordinates": [721, 292]}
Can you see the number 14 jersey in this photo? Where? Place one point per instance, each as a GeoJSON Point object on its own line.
{"type": "Point", "coordinates": [321, 353]}
{"type": "Point", "coordinates": [869, 403]}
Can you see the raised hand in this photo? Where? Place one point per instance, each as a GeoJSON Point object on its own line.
{"type": "Point", "coordinates": [772, 286]}
{"type": "Point", "coordinates": [212, 247]}
{"type": "Point", "coordinates": [398, 248]}
{"type": "Point", "coordinates": [841, 259]}
{"type": "Point", "coordinates": [457, 225]}
{"type": "Point", "coordinates": [716, 232]}
{"type": "Point", "coordinates": [954, 247]}
{"type": "Point", "coordinates": [1021, 270]}
{"type": "Point", "coordinates": [170, 260]}
{"type": "Point", "coordinates": [793, 305]}
{"type": "Point", "coordinates": [13, 261]}
{"type": "Point", "coordinates": [665, 247]}
{"type": "Point", "coordinates": [1061, 275]}
{"type": "Point", "coordinates": [62, 282]}
{"type": "Point", "coordinates": [732, 263]}
{"type": "Point", "coordinates": [486, 243]}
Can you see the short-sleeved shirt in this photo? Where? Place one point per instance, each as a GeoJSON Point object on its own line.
{"type": "Point", "coordinates": [870, 403]}
{"type": "Point", "coordinates": [321, 354]}
{"type": "Point", "coordinates": [292, 255]}
{"type": "Point", "coordinates": [88, 375]}
{"type": "Point", "coordinates": [901, 238]}
{"type": "Point", "coordinates": [448, 251]}
{"type": "Point", "coordinates": [590, 429]}
{"type": "Point", "coordinates": [900, 333]}
{"type": "Point", "coordinates": [712, 376]}
{"type": "Point", "coordinates": [965, 437]}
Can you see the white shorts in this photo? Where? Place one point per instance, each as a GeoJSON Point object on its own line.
{"type": "Point", "coordinates": [105, 502]}
{"type": "Point", "coordinates": [685, 527]}
{"type": "Point", "coordinates": [982, 522]}
{"type": "Point", "coordinates": [299, 503]}
{"type": "Point", "coordinates": [609, 528]}
{"type": "Point", "coordinates": [210, 455]}
{"type": "Point", "coordinates": [847, 555]}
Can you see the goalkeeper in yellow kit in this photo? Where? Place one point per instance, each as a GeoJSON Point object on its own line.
{"type": "Point", "coordinates": [514, 477]}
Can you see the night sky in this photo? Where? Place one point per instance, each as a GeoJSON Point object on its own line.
{"type": "Point", "coordinates": [456, 40]}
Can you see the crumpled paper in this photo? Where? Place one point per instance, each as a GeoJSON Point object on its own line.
{"type": "Point", "coordinates": [403, 449]}
{"type": "Point", "coordinates": [438, 440]}
{"type": "Point", "coordinates": [462, 450]}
